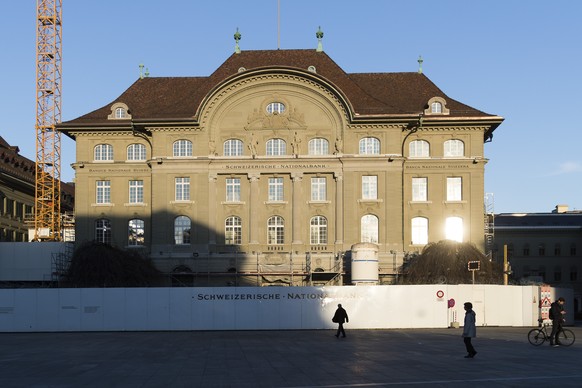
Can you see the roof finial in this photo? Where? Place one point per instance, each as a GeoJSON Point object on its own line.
{"type": "Point", "coordinates": [140, 70]}
{"type": "Point", "coordinates": [420, 64]}
{"type": "Point", "coordinates": [319, 36]}
{"type": "Point", "coordinates": [237, 37]}
{"type": "Point", "coordinates": [147, 72]}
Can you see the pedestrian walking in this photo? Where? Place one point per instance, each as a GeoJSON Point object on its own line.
{"type": "Point", "coordinates": [340, 317]}
{"type": "Point", "coordinates": [469, 329]}
{"type": "Point", "coordinates": [557, 316]}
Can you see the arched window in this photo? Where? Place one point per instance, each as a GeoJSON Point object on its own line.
{"type": "Point", "coordinates": [419, 231]}
{"type": "Point", "coordinates": [369, 229]}
{"type": "Point", "coordinates": [103, 231]}
{"type": "Point", "coordinates": [436, 107]}
{"type": "Point", "coordinates": [233, 231]}
{"type": "Point", "coordinates": [182, 148]}
{"type": "Point", "coordinates": [454, 148]}
{"type": "Point", "coordinates": [276, 147]}
{"type": "Point", "coordinates": [369, 146]}
{"type": "Point", "coordinates": [318, 230]}
{"type": "Point", "coordinates": [275, 230]}
{"type": "Point", "coordinates": [454, 229]}
{"type": "Point", "coordinates": [135, 232]}
{"type": "Point", "coordinates": [419, 149]}
{"type": "Point", "coordinates": [233, 147]}
{"type": "Point", "coordinates": [318, 146]}
{"type": "Point", "coordinates": [182, 228]}
{"type": "Point", "coordinates": [136, 152]}
{"type": "Point", "coordinates": [104, 152]}
{"type": "Point", "coordinates": [120, 113]}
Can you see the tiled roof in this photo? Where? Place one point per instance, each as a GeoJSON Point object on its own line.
{"type": "Point", "coordinates": [14, 164]}
{"type": "Point", "coordinates": [164, 98]}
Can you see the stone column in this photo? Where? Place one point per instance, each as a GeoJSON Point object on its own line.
{"type": "Point", "coordinates": [339, 208]}
{"type": "Point", "coordinates": [296, 177]}
{"type": "Point", "coordinates": [254, 208]}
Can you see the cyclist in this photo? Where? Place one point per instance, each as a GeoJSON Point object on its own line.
{"type": "Point", "coordinates": [557, 316]}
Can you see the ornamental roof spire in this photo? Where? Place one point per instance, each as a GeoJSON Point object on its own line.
{"type": "Point", "coordinates": [237, 38]}
{"type": "Point", "coordinates": [319, 36]}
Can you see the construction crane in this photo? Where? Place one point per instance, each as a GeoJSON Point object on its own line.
{"type": "Point", "coordinates": [47, 201]}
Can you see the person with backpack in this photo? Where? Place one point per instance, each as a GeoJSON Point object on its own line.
{"type": "Point", "coordinates": [340, 317]}
{"type": "Point", "coordinates": [557, 316]}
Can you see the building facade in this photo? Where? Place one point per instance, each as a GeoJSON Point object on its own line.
{"type": "Point", "coordinates": [543, 248]}
{"type": "Point", "coordinates": [17, 188]}
{"type": "Point", "coordinates": [269, 170]}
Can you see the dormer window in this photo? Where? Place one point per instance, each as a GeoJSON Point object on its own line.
{"type": "Point", "coordinates": [275, 108]}
{"type": "Point", "coordinates": [119, 111]}
{"type": "Point", "coordinates": [436, 106]}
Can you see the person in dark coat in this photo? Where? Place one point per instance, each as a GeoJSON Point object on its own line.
{"type": "Point", "coordinates": [340, 317]}
{"type": "Point", "coordinates": [557, 316]}
{"type": "Point", "coordinates": [469, 329]}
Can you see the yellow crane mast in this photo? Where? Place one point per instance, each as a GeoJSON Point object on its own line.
{"type": "Point", "coordinates": [47, 213]}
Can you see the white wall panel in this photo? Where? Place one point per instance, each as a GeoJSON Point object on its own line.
{"type": "Point", "coordinates": [273, 308]}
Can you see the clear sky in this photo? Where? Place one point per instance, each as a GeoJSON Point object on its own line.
{"type": "Point", "coordinates": [516, 59]}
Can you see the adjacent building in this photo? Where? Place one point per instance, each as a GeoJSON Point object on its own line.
{"type": "Point", "coordinates": [267, 171]}
{"type": "Point", "coordinates": [543, 248]}
{"type": "Point", "coordinates": [17, 188]}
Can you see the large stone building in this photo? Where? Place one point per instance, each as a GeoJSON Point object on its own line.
{"type": "Point", "coordinates": [17, 189]}
{"type": "Point", "coordinates": [271, 168]}
{"type": "Point", "coordinates": [543, 248]}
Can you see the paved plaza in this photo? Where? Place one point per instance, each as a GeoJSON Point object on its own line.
{"type": "Point", "coordinates": [312, 358]}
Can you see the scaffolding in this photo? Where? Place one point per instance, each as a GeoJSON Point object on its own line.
{"type": "Point", "coordinates": [489, 224]}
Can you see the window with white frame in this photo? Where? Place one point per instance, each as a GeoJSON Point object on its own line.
{"type": "Point", "coordinates": [136, 151]}
{"type": "Point", "coordinates": [233, 231]}
{"type": "Point", "coordinates": [233, 147]}
{"type": "Point", "coordinates": [318, 189]}
{"type": "Point", "coordinates": [420, 189]}
{"type": "Point", "coordinates": [232, 189]}
{"type": "Point", "coordinates": [103, 192]}
{"type": "Point", "coordinates": [136, 191]}
{"type": "Point", "coordinates": [369, 187]}
{"type": "Point", "coordinates": [419, 231]}
{"type": "Point", "coordinates": [454, 148]}
{"type": "Point", "coordinates": [120, 113]}
{"type": "Point", "coordinates": [318, 146]}
{"type": "Point", "coordinates": [182, 229]}
{"type": "Point", "coordinates": [182, 148]}
{"type": "Point", "coordinates": [103, 152]}
{"type": "Point", "coordinates": [454, 189]}
{"type": "Point", "coordinates": [275, 189]}
{"type": "Point", "coordinates": [436, 107]}
{"type": "Point", "coordinates": [275, 230]}
{"type": "Point", "coordinates": [103, 231]}
{"type": "Point", "coordinates": [276, 147]}
{"type": "Point", "coordinates": [369, 146]}
{"type": "Point", "coordinates": [419, 149]}
{"type": "Point", "coordinates": [182, 188]}
{"type": "Point", "coordinates": [369, 229]}
{"type": "Point", "coordinates": [135, 232]}
{"type": "Point", "coordinates": [318, 230]}
{"type": "Point", "coordinates": [275, 108]}
{"type": "Point", "coordinates": [454, 229]}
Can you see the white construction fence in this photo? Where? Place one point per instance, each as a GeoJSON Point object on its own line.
{"type": "Point", "coordinates": [266, 308]}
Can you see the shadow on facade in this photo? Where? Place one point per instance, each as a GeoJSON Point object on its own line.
{"type": "Point", "coordinates": [191, 254]}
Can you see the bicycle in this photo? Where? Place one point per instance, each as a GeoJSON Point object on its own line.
{"type": "Point", "coordinates": [536, 337]}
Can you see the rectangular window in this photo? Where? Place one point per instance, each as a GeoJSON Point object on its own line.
{"type": "Point", "coordinates": [369, 187]}
{"type": "Point", "coordinates": [182, 189]}
{"type": "Point", "coordinates": [419, 189]}
{"type": "Point", "coordinates": [232, 189]}
{"type": "Point", "coordinates": [318, 189]}
{"type": "Point", "coordinates": [135, 191]}
{"type": "Point", "coordinates": [275, 189]}
{"type": "Point", "coordinates": [454, 189]}
{"type": "Point", "coordinates": [103, 192]}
